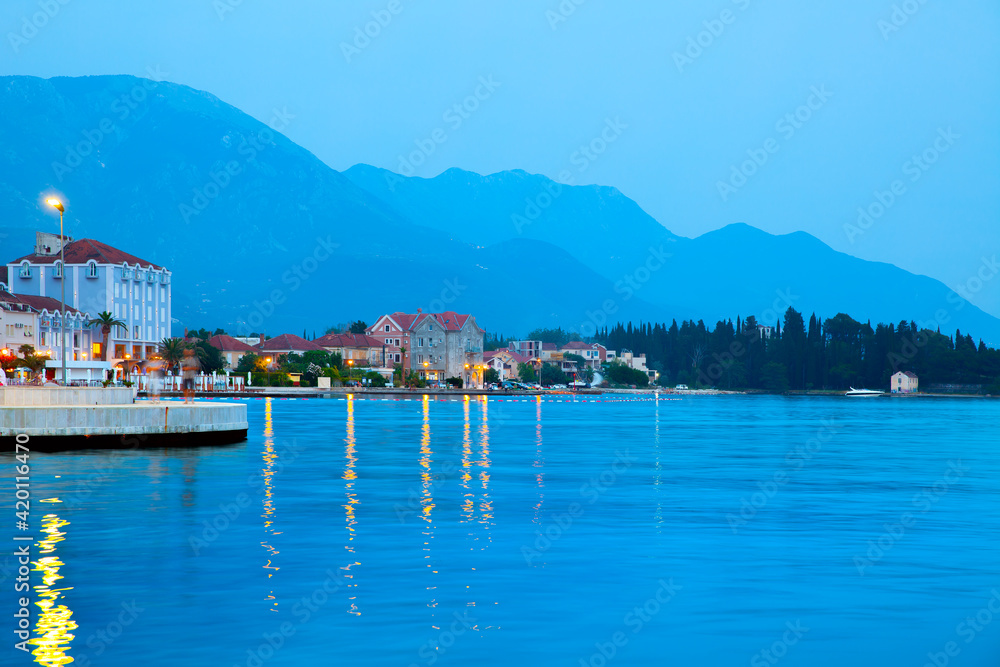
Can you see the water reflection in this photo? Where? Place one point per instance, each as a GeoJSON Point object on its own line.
{"type": "Point", "coordinates": [427, 497]}
{"type": "Point", "coordinates": [468, 497]}
{"type": "Point", "coordinates": [269, 457]}
{"type": "Point", "coordinates": [486, 504]}
{"type": "Point", "coordinates": [52, 630]}
{"type": "Point", "coordinates": [539, 462]}
{"type": "Point", "coordinates": [658, 471]}
{"type": "Point", "coordinates": [352, 499]}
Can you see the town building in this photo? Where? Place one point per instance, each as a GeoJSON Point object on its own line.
{"type": "Point", "coordinates": [283, 345]}
{"type": "Point", "coordinates": [35, 320]}
{"type": "Point", "coordinates": [505, 362]}
{"type": "Point", "coordinates": [99, 278]}
{"type": "Point", "coordinates": [438, 345]}
{"type": "Point", "coordinates": [904, 382]}
{"type": "Point", "coordinates": [362, 349]}
{"type": "Point", "coordinates": [526, 348]}
{"type": "Point", "coordinates": [231, 348]}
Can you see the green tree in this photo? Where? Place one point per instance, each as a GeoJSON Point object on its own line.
{"type": "Point", "coordinates": [774, 377]}
{"type": "Point", "coordinates": [552, 374]}
{"type": "Point", "coordinates": [171, 350]}
{"type": "Point", "coordinates": [491, 376]}
{"type": "Point", "coordinates": [526, 372]}
{"type": "Point", "coordinates": [210, 356]}
{"type": "Point", "coordinates": [106, 321]}
{"type": "Point", "coordinates": [358, 327]}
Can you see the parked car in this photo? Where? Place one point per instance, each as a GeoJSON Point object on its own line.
{"type": "Point", "coordinates": [681, 386]}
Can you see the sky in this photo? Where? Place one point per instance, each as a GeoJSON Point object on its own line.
{"type": "Point", "coordinates": [870, 124]}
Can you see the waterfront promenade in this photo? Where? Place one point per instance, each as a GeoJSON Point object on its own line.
{"type": "Point", "coordinates": [85, 417]}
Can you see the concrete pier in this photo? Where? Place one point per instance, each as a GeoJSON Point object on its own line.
{"type": "Point", "coordinates": [60, 418]}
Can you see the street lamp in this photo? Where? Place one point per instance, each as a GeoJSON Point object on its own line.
{"type": "Point", "coordinates": [350, 368]}
{"type": "Point", "coordinates": [56, 204]}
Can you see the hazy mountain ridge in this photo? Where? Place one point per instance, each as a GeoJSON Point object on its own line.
{"type": "Point", "coordinates": [236, 210]}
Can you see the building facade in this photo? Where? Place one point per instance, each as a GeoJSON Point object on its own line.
{"type": "Point", "coordinates": [438, 345]}
{"type": "Point", "coordinates": [99, 278]}
{"type": "Point", "coordinates": [904, 382]}
{"type": "Point", "coordinates": [363, 350]}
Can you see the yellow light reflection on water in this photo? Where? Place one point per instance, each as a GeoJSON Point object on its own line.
{"type": "Point", "coordinates": [427, 492]}
{"type": "Point", "coordinates": [352, 499]}
{"type": "Point", "coordinates": [269, 457]}
{"type": "Point", "coordinates": [52, 630]}
{"type": "Point", "coordinates": [469, 498]}
{"type": "Point", "coordinates": [486, 505]}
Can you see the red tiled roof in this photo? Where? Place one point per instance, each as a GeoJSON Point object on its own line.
{"type": "Point", "coordinates": [449, 320]}
{"type": "Point", "coordinates": [577, 345]}
{"type": "Point", "coordinates": [226, 343]}
{"type": "Point", "coordinates": [287, 342]}
{"type": "Point", "coordinates": [348, 340]}
{"type": "Point", "coordinates": [84, 250]}
{"type": "Point", "coordinates": [549, 346]}
{"type": "Point", "coordinates": [517, 358]}
{"type": "Point", "coordinates": [37, 303]}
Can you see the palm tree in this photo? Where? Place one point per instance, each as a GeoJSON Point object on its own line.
{"type": "Point", "coordinates": [106, 321]}
{"type": "Point", "coordinates": [402, 367]}
{"type": "Point", "coordinates": [172, 351]}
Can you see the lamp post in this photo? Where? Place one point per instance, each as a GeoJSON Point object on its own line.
{"type": "Point", "coordinates": [56, 204]}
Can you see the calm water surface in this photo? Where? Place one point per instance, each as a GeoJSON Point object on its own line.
{"type": "Point", "coordinates": [700, 531]}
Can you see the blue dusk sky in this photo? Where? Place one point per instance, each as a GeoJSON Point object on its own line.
{"type": "Point", "coordinates": [784, 115]}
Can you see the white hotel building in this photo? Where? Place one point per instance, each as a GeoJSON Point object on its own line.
{"type": "Point", "coordinates": [99, 278]}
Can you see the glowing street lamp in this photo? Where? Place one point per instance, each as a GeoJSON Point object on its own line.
{"type": "Point", "coordinates": [56, 204]}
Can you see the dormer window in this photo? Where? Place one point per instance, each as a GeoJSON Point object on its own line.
{"type": "Point", "coordinates": [387, 327]}
{"type": "Point", "coordinates": [57, 269]}
{"type": "Point", "coordinates": [91, 269]}
{"type": "Point", "coordinates": [24, 271]}
{"type": "Point", "coordinates": [126, 273]}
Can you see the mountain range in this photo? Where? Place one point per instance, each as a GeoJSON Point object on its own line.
{"type": "Point", "coordinates": [263, 236]}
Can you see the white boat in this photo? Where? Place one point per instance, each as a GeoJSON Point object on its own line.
{"type": "Point", "coordinates": [863, 392]}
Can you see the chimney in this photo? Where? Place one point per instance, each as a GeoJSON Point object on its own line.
{"type": "Point", "coordinates": [47, 244]}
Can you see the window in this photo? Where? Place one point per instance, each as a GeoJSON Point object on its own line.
{"type": "Point", "coordinates": [92, 270]}
{"type": "Point", "coordinates": [25, 270]}
{"type": "Point", "coordinates": [387, 327]}
{"type": "Point", "coordinates": [388, 341]}
{"type": "Point", "coordinates": [117, 291]}
{"type": "Point", "coordinates": [57, 269]}
{"type": "Point", "coordinates": [397, 342]}
{"type": "Point", "coordinates": [149, 292]}
{"type": "Point", "coordinates": [136, 332]}
{"type": "Point", "coordinates": [163, 315]}
{"type": "Point", "coordinates": [420, 342]}
{"type": "Point", "coordinates": [149, 312]}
